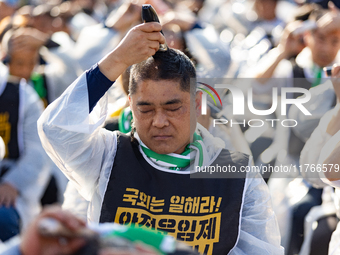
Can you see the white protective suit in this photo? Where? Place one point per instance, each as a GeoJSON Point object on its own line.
{"type": "Point", "coordinates": [29, 173]}
{"type": "Point", "coordinates": [85, 152]}
{"type": "Point", "coordinates": [2, 149]}
{"type": "Point", "coordinates": [315, 151]}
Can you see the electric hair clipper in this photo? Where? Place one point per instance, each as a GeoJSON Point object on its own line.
{"type": "Point", "coordinates": [149, 15]}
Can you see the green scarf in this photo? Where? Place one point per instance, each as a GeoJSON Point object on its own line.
{"type": "Point", "coordinates": [38, 84]}
{"type": "Point", "coordinates": [161, 242]}
{"type": "Point", "coordinates": [317, 77]}
{"type": "Point", "coordinates": [177, 161]}
{"type": "Point", "coordinates": [124, 122]}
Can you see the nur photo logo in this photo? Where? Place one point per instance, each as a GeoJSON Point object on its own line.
{"type": "Point", "coordinates": [242, 101]}
{"type": "Point", "coordinates": [204, 96]}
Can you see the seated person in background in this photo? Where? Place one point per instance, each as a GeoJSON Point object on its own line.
{"type": "Point", "coordinates": [23, 170]}
{"type": "Point", "coordinates": [327, 128]}
{"type": "Point", "coordinates": [280, 69]}
{"type": "Point", "coordinates": [23, 62]}
{"type": "Point", "coordinates": [54, 68]}
{"type": "Point", "coordinates": [321, 50]}
{"type": "Point", "coordinates": [323, 98]}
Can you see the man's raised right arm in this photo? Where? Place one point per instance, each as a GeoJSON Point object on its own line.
{"type": "Point", "coordinates": [70, 127]}
{"type": "Point", "coordinates": [141, 42]}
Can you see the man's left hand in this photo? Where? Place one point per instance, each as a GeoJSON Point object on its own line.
{"type": "Point", "coordinates": [8, 194]}
{"type": "Point", "coordinates": [34, 243]}
{"type": "Point", "coordinates": [126, 16]}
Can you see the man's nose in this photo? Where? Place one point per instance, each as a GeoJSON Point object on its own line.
{"type": "Point", "coordinates": [160, 119]}
{"type": "Point", "coordinates": [323, 47]}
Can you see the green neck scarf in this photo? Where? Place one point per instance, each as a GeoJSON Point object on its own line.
{"type": "Point", "coordinates": [317, 76]}
{"type": "Point", "coordinates": [175, 161]}
{"type": "Point", "coordinates": [125, 119]}
{"type": "Point", "coordinates": [39, 84]}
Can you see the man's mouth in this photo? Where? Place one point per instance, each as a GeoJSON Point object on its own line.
{"type": "Point", "coordinates": [161, 137]}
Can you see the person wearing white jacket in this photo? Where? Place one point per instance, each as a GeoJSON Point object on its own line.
{"type": "Point", "coordinates": [319, 152]}
{"type": "Point", "coordinates": [148, 180]}
{"type": "Point", "coordinates": [23, 170]}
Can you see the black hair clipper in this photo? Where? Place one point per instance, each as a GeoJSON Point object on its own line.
{"type": "Point", "coordinates": [328, 70]}
{"type": "Point", "coordinates": [149, 15]}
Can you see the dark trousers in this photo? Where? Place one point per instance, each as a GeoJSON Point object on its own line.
{"type": "Point", "coordinates": [9, 223]}
{"type": "Point", "coordinates": [300, 210]}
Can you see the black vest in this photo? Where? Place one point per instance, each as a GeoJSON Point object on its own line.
{"type": "Point", "coordinates": [9, 119]}
{"type": "Point", "coordinates": [205, 213]}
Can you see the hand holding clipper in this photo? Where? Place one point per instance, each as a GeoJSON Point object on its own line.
{"type": "Point", "coordinates": [149, 15]}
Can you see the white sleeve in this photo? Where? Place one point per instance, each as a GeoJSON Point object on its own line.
{"type": "Point", "coordinates": [259, 233]}
{"type": "Point", "coordinates": [74, 139]}
{"type": "Point", "coordinates": [11, 247]}
{"type": "Point", "coordinates": [74, 202]}
{"type": "Point", "coordinates": [325, 152]}
{"type": "Point", "coordinates": [2, 149]}
{"type": "Point", "coordinates": [282, 76]}
{"type": "Point", "coordinates": [312, 149]}
{"type": "Point", "coordinates": [322, 98]}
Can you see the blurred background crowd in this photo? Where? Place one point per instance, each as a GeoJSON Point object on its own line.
{"type": "Point", "coordinates": [257, 44]}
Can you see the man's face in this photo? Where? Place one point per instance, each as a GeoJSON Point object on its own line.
{"type": "Point", "coordinates": [22, 63]}
{"type": "Point", "coordinates": [265, 9]}
{"type": "Point", "coordinates": [164, 115]}
{"type": "Point", "coordinates": [324, 47]}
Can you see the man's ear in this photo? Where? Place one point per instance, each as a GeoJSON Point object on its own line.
{"type": "Point", "coordinates": [198, 103]}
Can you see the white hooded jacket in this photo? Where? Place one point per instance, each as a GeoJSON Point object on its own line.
{"type": "Point", "coordinates": [28, 174]}
{"type": "Point", "coordinates": [85, 152]}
